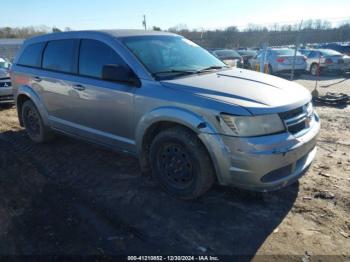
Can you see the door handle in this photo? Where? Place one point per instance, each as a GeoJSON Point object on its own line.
{"type": "Point", "coordinates": [37, 79]}
{"type": "Point", "coordinates": [79, 87]}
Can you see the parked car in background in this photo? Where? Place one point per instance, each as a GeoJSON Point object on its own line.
{"type": "Point", "coordinates": [189, 119]}
{"type": "Point", "coordinates": [343, 48]}
{"type": "Point", "coordinates": [279, 60]}
{"type": "Point", "coordinates": [229, 56]}
{"type": "Point", "coordinates": [327, 61]}
{"type": "Point", "coordinates": [6, 94]}
{"type": "Point", "coordinates": [246, 55]}
{"type": "Point", "coordinates": [304, 51]}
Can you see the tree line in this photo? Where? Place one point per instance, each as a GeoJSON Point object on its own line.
{"type": "Point", "coordinates": [310, 31]}
{"type": "Point", "coordinates": [28, 31]}
{"type": "Point", "coordinates": [255, 36]}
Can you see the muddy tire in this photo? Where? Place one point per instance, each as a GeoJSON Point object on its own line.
{"type": "Point", "coordinates": [33, 123]}
{"type": "Point", "coordinates": [181, 164]}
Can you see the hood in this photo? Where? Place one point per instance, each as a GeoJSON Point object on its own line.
{"type": "Point", "coordinates": [257, 92]}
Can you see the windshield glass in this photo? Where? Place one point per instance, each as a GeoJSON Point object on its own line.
{"type": "Point", "coordinates": [226, 53]}
{"type": "Point", "coordinates": [247, 52]}
{"type": "Point", "coordinates": [285, 52]}
{"type": "Point", "coordinates": [170, 54]}
{"type": "Point", "coordinates": [329, 52]}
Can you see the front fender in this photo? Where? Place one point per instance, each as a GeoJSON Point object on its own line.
{"type": "Point", "coordinates": [206, 132]}
{"type": "Point", "coordinates": [29, 92]}
{"type": "Point", "coordinates": [180, 116]}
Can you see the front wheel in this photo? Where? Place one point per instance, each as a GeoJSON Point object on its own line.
{"type": "Point", "coordinates": [181, 164]}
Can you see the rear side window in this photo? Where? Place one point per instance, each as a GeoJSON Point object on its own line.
{"type": "Point", "coordinates": [59, 55]}
{"type": "Point", "coordinates": [94, 55]}
{"type": "Point", "coordinates": [31, 55]}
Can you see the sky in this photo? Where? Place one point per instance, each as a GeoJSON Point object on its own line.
{"type": "Point", "coordinates": [196, 14]}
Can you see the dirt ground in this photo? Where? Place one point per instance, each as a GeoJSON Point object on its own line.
{"type": "Point", "coordinates": [69, 197]}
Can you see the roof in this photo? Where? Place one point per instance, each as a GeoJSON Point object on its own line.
{"type": "Point", "coordinates": [133, 32]}
{"type": "Point", "coordinates": [120, 33]}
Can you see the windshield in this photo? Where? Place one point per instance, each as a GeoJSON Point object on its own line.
{"type": "Point", "coordinates": [170, 54]}
{"type": "Point", "coordinates": [329, 52]}
{"type": "Point", "coordinates": [247, 52]}
{"type": "Point", "coordinates": [285, 52]}
{"type": "Point", "coordinates": [226, 53]}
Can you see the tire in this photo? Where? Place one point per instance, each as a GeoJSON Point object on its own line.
{"type": "Point", "coordinates": [314, 69]}
{"type": "Point", "coordinates": [181, 164]}
{"type": "Point", "coordinates": [33, 123]}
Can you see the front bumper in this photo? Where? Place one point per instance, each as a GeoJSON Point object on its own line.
{"type": "Point", "coordinates": [265, 163]}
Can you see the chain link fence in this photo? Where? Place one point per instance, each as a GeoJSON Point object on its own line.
{"type": "Point", "coordinates": [305, 55]}
{"type": "Point", "coordinates": [9, 48]}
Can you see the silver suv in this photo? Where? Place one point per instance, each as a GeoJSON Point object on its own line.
{"type": "Point", "coordinates": [189, 119]}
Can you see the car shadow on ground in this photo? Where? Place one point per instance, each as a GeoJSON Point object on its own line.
{"type": "Point", "coordinates": [70, 197]}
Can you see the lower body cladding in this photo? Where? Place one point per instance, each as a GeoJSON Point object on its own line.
{"type": "Point", "coordinates": [263, 163]}
{"type": "Point", "coordinates": [6, 92]}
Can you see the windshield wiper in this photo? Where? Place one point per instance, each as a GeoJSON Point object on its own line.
{"type": "Point", "coordinates": [187, 72]}
{"type": "Point", "coordinates": [211, 68]}
{"type": "Point", "coordinates": [174, 71]}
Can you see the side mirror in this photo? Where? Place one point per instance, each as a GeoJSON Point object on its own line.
{"type": "Point", "coordinates": [117, 73]}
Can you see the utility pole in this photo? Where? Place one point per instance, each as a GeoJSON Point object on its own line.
{"type": "Point", "coordinates": [297, 43]}
{"type": "Point", "coordinates": [144, 22]}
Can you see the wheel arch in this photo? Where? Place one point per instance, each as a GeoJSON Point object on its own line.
{"type": "Point", "coordinates": [162, 118]}
{"type": "Point", "coordinates": [25, 93]}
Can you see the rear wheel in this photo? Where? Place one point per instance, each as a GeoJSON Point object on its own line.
{"type": "Point", "coordinates": [33, 123]}
{"type": "Point", "coordinates": [181, 164]}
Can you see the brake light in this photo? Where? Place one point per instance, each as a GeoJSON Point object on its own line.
{"type": "Point", "coordinates": [329, 61]}
{"type": "Point", "coordinates": [280, 60]}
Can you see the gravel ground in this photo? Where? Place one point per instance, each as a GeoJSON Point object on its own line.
{"type": "Point", "coordinates": [69, 197]}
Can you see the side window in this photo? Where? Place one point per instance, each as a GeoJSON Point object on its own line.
{"type": "Point", "coordinates": [31, 55]}
{"type": "Point", "coordinates": [94, 55]}
{"type": "Point", "coordinates": [59, 55]}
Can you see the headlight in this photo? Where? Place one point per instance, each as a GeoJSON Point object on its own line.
{"type": "Point", "coordinates": [254, 125]}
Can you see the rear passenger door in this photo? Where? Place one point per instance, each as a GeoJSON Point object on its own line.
{"type": "Point", "coordinates": [59, 65]}
{"type": "Point", "coordinates": [101, 110]}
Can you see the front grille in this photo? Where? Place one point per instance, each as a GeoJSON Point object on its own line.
{"type": "Point", "coordinates": [298, 119]}
{"type": "Point", "coordinates": [5, 84]}
{"type": "Point", "coordinates": [6, 98]}
{"type": "Point", "coordinates": [294, 129]}
{"type": "Point", "coordinates": [291, 113]}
